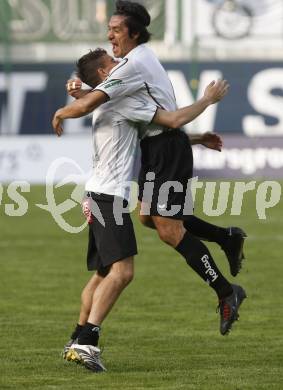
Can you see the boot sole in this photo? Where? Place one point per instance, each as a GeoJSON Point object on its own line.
{"type": "Point", "coordinates": [73, 356]}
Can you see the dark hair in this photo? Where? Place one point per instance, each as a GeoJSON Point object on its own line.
{"type": "Point", "coordinates": [137, 19]}
{"type": "Point", "coordinates": [88, 65]}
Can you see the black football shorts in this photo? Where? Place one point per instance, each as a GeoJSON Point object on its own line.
{"type": "Point", "coordinates": [166, 162]}
{"type": "Point", "coordinates": [108, 241]}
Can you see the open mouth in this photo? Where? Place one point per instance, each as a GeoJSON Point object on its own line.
{"type": "Point", "coordinates": [116, 49]}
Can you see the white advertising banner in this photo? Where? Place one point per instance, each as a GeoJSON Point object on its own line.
{"type": "Point", "coordinates": [41, 159]}
{"type": "Point", "coordinates": [66, 160]}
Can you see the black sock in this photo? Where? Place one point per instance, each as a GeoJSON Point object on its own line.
{"type": "Point", "coordinates": [198, 257]}
{"type": "Point", "coordinates": [89, 335]}
{"type": "Point", "coordinates": [205, 230]}
{"type": "Point", "coordinates": [77, 331]}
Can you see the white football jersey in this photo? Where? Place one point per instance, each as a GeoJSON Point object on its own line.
{"type": "Point", "coordinates": [116, 158]}
{"type": "Point", "coordinates": [140, 75]}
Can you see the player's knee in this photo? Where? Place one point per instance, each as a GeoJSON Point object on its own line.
{"type": "Point", "coordinates": [123, 274]}
{"type": "Point", "coordinates": [171, 235]}
{"type": "Point", "coordinates": [166, 234]}
{"type": "Point", "coordinates": [126, 277]}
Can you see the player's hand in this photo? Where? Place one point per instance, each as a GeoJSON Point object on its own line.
{"type": "Point", "coordinates": [212, 141]}
{"type": "Point", "coordinates": [73, 87]}
{"type": "Point", "coordinates": [57, 124]}
{"type": "Point", "coordinates": [216, 90]}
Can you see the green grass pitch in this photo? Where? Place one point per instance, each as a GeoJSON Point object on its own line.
{"type": "Point", "coordinates": [163, 332]}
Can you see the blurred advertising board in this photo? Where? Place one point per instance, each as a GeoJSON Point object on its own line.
{"type": "Point", "coordinates": [41, 159]}
{"type": "Point", "coordinates": [31, 93]}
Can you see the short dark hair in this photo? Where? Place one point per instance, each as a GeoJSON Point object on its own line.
{"type": "Point", "coordinates": [137, 19]}
{"type": "Point", "coordinates": [88, 65]}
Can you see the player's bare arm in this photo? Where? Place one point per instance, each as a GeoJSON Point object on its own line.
{"type": "Point", "coordinates": [213, 93]}
{"type": "Point", "coordinates": [77, 109]}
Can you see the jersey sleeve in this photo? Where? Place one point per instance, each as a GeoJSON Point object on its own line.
{"type": "Point", "coordinates": [136, 110]}
{"type": "Point", "coordinates": [123, 80]}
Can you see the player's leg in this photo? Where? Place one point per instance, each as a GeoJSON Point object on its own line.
{"type": "Point", "coordinates": [230, 239]}
{"type": "Point", "coordinates": [104, 297]}
{"type": "Point", "coordinates": [113, 246]}
{"type": "Point", "coordinates": [196, 254]}
{"type": "Point", "coordinates": [86, 303]}
{"type": "Point", "coordinates": [163, 159]}
{"type": "Point", "coordinates": [198, 257]}
{"type": "Point", "coordinates": [86, 350]}
{"type": "Point", "coordinates": [93, 262]}
{"type": "Point", "coordinates": [87, 296]}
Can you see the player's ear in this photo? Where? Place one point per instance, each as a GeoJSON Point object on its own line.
{"type": "Point", "coordinates": [135, 36]}
{"type": "Point", "coordinates": [102, 73]}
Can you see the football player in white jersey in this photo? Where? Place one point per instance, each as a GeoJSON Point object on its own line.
{"type": "Point", "coordinates": [111, 246]}
{"type": "Point", "coordinates": [164, 152]}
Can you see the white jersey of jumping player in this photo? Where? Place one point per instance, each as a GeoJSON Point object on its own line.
{"type": "Point", "coordinates": [141, 76]}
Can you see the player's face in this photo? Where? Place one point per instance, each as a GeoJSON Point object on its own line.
{"type": "Point", "coordinates": [108, 63]}
{"type": "Point", "coordinates": [118, 35]}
